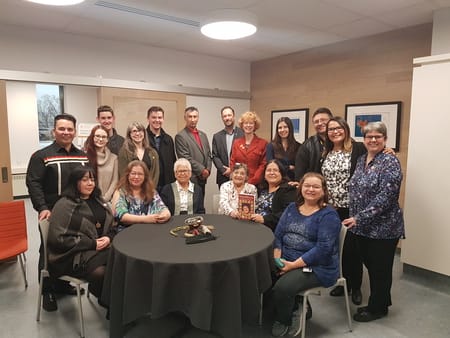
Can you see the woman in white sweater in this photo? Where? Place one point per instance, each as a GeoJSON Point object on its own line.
{"type": "Point", "coordinates": [229, 191]}
{"type": "Point", "coordinates": [103, 161]}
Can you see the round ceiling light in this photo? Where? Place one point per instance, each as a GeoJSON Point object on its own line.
{"type": "Point", "coordinates": [57, 2]}
{"type": "Point", "coordinates": [229, 24]}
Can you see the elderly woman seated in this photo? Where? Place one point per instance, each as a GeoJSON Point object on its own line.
{"type": "Point", "coordinates": [229, 191]}
{"type": "Point", "coordinates": [183, 197]}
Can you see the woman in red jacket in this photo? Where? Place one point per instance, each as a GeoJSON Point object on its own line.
{"type": "Point", "coordinates": [250, 149]}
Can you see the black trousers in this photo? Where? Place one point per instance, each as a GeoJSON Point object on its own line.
{"type": "Point", "coordinates": [285, 290]}
{"type": "Point", "coordinates": [352, 265]}
{"type": "Point", "coordinates": [378, 257]}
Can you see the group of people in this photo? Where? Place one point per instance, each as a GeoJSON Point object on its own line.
{"type": "Point", "coordinates": [303, 192]}
{"type": "Point", "coordinates": [342, 183]}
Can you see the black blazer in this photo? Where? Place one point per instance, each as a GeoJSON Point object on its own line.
{"type": "Point", "coordinates": [220, 153]}
{"type": "Point", "coordinates": [169, 200]}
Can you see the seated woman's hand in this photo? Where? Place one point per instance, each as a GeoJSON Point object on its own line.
{"type": "Point", "coordinates": [257, 218]}
{"type": "Point", "coordinates": [288, 266]}
{"type": "Point", "coordinates": [163, 216]}
{"type": "Point", "coordinates": [102, 243]}
{"type": "Point", "coordinates": [235, 214]}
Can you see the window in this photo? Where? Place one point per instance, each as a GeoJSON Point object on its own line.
{"type": "Point", "coordinates": [50, 102]}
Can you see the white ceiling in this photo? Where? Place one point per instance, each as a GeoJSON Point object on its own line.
{"type": "Point", "coordinates": [284, 26]}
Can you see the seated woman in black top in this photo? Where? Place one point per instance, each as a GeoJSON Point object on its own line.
{"type": "Point", "coordinates": [183, 196]}
{"type": "Point", "coordinates": [81, 230]}
{"type": "Point", "coordinates": [274, 195]}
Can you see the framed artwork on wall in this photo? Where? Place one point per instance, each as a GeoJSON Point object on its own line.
{"type": "Point", "coordinates": [358, 115]}
{"type": "Point", "coordinates": [299, 118]}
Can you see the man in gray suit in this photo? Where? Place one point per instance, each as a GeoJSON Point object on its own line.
{"type": "Point", "coordinates": [193, 145]}
{"type": "Point", "coordinates": [222, 143]}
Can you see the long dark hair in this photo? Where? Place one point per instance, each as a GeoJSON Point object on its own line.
{"type": "Point", "coordinates": [71, 191]}
{"type": "Point", "coordinates": [348, 141]}
{"type": "Point", "coordinates": [283, 171]}
{"type": "Point", "coordinates": [293, 145]}
{"type": "Point", "coordinates": [91, 151]}
{"type": "Point", "coordinates": [323, 202]}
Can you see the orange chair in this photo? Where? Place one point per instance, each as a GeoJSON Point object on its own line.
{"type": "Point", "coordinates": [13, 233]}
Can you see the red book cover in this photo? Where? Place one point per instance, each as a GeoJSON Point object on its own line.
{"type": "Point", "coordinates": [246, 205]}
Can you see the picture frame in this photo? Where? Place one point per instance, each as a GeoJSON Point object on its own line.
{"type": "Point", "coordinates": [299, 118]}
{"type": "Point", "coordinates": [357, 115]}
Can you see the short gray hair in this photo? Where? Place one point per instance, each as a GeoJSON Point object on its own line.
{"type": "Point", "coordinates": [375, 126]}
{"type": "Point", "coordinates": [182, 162]}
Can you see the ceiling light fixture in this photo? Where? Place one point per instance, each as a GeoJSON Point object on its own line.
{"type": "Point", "coordinates": [57, 2]}
{"type": "Point", "coordinates": [229, 24]}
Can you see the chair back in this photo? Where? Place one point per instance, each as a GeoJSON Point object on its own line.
{"type": "Point", "coordinates": [13, 229]}
{"type": "Point", "coordinates": [342, 235]}
{"type": "Point", "coordinates": [43, 228]}
{"type": "Point", "coordinates": [216, 199]}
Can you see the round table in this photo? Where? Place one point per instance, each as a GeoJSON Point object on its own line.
{"type": "Point", "coordinates": [217, 284]}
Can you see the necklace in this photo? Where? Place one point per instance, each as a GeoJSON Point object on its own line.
{"type": "Point", "coordinates": [307, 211]}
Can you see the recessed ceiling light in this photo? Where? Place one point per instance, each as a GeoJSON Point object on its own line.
{"type": "Point", "coordinates": [57, 2]}
{"type": "Point", "coordinates": [229, 24]}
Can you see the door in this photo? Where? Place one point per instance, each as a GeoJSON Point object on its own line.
{"type": "Point", "coordinates": [6, 193]}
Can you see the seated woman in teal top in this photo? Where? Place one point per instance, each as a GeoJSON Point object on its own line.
{"type": "Point", "coordinates": [136, 199]}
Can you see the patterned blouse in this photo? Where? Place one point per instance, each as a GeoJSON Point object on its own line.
{"type": "Point", "coordinates": [336, 170]}
{"type": "Point", "coordinates": [229, 196]}
{"type": "Point", "coordinates": [374, 191]}
{"type": "Point", "coordinates": [135, 206]}
{"type": "Point", "coordinates": [264, 203]}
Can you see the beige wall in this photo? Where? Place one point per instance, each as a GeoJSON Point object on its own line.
{"type": "Point", "coordinates": [372, 69]}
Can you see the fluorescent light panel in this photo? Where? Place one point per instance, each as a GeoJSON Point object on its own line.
{"type": "Point", "coordinates": [57, 2]}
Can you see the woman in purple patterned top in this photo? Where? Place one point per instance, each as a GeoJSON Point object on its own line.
{"type": "Point", "coordinates": [376, 218]}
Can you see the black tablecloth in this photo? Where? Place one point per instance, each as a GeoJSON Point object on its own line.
{"type": "Point", "coordinates": [217, 284]}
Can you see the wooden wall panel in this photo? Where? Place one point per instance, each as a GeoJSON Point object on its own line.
{"type": "Point", "coordinates": [372, 69]}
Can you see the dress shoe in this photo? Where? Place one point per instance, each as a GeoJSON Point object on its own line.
{"type": "Point", "coordinates": [366, 309]}
{"type": "Point", "coordinates": [357, 297]}
{"type": "Point", "coordinates": [68, 289]}
{"type": "Point", "coordinates": [362, 309]}
{"type": "Point", "coordinates": [367, 316]}
{"type": "Point", "coordinates": [49, 302]}
{"type": "Point", "coordinates": [338, 291]}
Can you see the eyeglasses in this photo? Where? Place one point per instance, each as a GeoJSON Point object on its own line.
{"type": "Point", "coordinates": [183, 171]}
{"type": "Point", "coordinates": [101, 137]}
{"type": "Point", "coordinates": [135, 131]}
{"type": "Point", "coordinates": [320, 121]}
{"type": "Point", "coordinates": [133, 173]}
{"type": "Point", "coordinates": [376, 137]}
{"type": "Point", "coordinates": [332, 130]}
{"type": "Point", "coordinates": [312, 186]}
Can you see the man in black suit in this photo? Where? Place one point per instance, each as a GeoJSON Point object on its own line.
{"type": "Point", "coordinates": [193, 145]}
{"type": "Point", "coordinates": [222, 143]}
